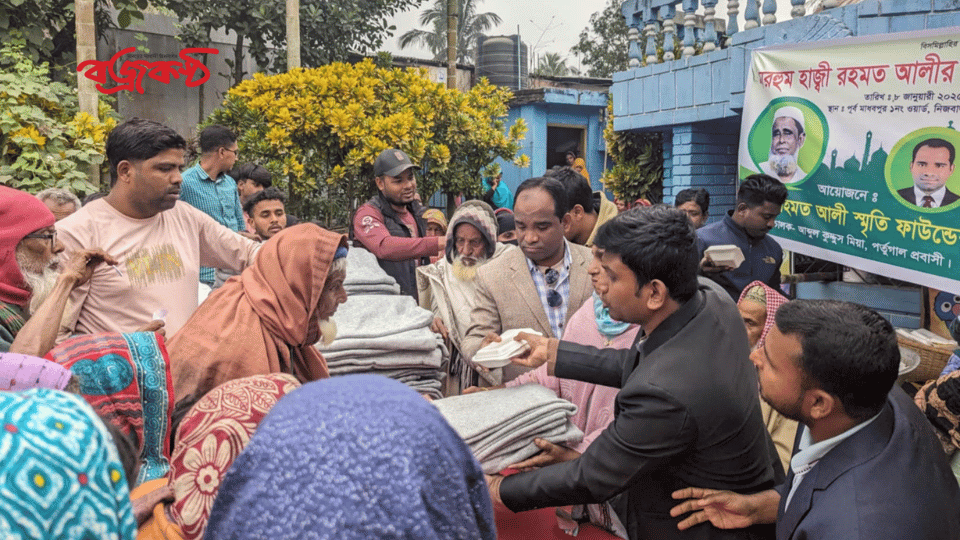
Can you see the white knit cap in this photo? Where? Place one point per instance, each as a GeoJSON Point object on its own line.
{"type": "Point", "coordinates": [791, 112]}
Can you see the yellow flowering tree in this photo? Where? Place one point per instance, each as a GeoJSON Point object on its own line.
{"type": "Point", "coordinates": [319, 130]}
{"type": "Point", "coordinates": [44, 140]}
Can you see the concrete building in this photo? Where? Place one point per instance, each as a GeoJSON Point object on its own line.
{"type": "Point", "coordinates": [696, 100]}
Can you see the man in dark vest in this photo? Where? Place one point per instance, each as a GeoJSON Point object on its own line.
{"type": "Point", "coordinates": [389, 225]}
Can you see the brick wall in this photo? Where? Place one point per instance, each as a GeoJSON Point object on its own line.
{"type": "Point", "coordinates": [703, 156]}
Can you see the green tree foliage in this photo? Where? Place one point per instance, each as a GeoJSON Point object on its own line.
{"type": "Point", "coordinates": [603, 45]}
{"type": "Point", "coordinates": [44, 140]}
{"type": "Point", "coordinates": [638, 163]}
{"type": "Point", "coordinates": [46, 28]}
{"type": "Point", "coordinates": [319, 131]}
{"type": "Point", "coordinates": [329, 30]}
{"type": "Point", "coordinates": [470, 26]}
{"type": "Point", "coordinates": [553, 65]}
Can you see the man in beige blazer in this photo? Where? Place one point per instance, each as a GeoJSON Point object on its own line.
{"type": "Point", "coordinates": [538, 286]}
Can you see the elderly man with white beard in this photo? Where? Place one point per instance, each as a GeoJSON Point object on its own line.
{"type": "Point", "coordinates": [447, 286]}
{"type": "Point", "coordinates": [34, 284]}
{"type": "Point", "coordinates": [787, 138]}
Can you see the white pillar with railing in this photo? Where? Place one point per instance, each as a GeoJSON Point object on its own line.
{"type": "Point", "coordinates": [652, 30]}
{"type": "Point", "coordinates": [769, 12]}
{"type": "Point", "coordinates": [649, 21]}
{"type": "Point", "coordinates": [733, 9]}
{"type": "Point", "coordinates": [667, 13]}
{"type": "Point", "coordinates": [690, 27]}
{"type": "Point", "coordinates": [799, 8]}
{"type": "Point", "coordinates": [709, 25]}
{"type": "Point", "coordinates": [633, 34]}
{"type": "Point", "coordinates": [751, 14]}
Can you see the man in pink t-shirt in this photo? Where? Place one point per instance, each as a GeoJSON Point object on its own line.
{"type": "Point", "coordinates": [389, 225]}
{"type": "Point", "coordinates": [159, 245]}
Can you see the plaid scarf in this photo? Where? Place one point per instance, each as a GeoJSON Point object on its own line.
{"type": "Point", "coordinates": [11, 317]}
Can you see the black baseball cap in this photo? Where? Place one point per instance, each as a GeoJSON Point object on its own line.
{"type": "Point", "coordinates": [392, 162]}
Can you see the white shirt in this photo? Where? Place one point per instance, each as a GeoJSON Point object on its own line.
{"type": "Point", "coordinates": [937, 196]}
{"type": "Point", "coordinates": [809, 453]}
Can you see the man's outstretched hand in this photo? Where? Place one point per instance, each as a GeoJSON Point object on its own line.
{"type": "Point", "coordinates": [551, 454]}
{"type": "Point", "coordinates": [536, 355]}
{"type": "Point", "coordinates": [708, 267]}
{"type": "Point", "coordinates": [724, 509]}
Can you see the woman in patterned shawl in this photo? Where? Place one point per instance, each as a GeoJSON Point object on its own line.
{"type": "Point", "coordinates": [354, 458]}
{"type": "Point", "coordinates": [126, 378]}
{"type": "Point", "coordinates": [758, 304]}
{"type": "Point", "coordinates": [209, 438]}
{"type": "Point", "coordinates": [268, 319]}
{"type": "Point", "coordinates": [60, 472]}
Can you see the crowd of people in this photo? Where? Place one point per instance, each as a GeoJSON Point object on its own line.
{"type": "Point", "coordinates": [161, 348]}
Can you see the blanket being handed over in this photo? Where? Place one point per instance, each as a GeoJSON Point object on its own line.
{"type": "Point", "coordinates": [500, 425]}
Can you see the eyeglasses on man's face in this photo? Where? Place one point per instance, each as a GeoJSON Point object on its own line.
{"type": "Point", "coordinates": [45, 235]}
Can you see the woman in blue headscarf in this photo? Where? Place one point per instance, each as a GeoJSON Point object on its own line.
{"type": "Point", "coordinates": [354, 457]}
{"type": "Point", "coordinates": [498, 194]}
{"type": "Point", "coordinates": [60, 471]}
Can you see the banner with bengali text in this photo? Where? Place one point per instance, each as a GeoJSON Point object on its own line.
{"type": "Point", "coordinates": [863, 131]}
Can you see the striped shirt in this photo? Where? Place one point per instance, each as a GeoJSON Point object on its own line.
{"type": "Point", "coordinates": [216, 198]}
{"type": "Point", "coordinates": [555, 315]}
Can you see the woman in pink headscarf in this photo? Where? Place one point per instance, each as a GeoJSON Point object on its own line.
{"type": "Point", "coordinates": [758, 304]}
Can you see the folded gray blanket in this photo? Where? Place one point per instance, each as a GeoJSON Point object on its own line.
{"type": "Point", "coordinates": [414, 339]}
{"type": "Point", "coordinates": [379, 319]}
{"type": "Point", "coordinates": [502, 437]}
{"type": "Point", "coordinates": [570, 435]}
{"type": "Point", "coordinates": [363, 269]}
{"type": "Point", "coordinates": [424, 374]}
{"type": "Point", "coordinates": [381, 332]}
{"type": "Point", "coordinates": [389, 360]}
{"type": "Point", "coordinates": [433, 389]}
{"type": "Point", "coordinates": [361, 289]}
{"type": "Point", "coordinates": [500, 425]}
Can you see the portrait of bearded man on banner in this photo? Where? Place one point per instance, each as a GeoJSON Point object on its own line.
{"type": "Point", "coordinates": [787, 138]}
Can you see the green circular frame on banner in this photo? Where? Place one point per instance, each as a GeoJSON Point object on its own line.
{"type": "Point", "coordinates": [901, 156]}
{"type": "Point", "coordinates": [816, 130]}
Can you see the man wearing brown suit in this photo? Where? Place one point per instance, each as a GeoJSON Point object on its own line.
{"type": "Point", "coordinates": [538, 286]}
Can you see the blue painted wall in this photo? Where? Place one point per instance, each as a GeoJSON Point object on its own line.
{"type": "Point", "coordinates": [900, 305]}
{"type": "Point", "coordinates": [703, 156]}
{"type": "Point", "coordinates": [568, 108]}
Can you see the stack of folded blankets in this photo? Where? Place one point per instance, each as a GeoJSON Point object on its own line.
{"type": "Point", "coordinates": [381, 332]}
{"type": "Point", "coordinates": [364, 275]}
{"type": "Point", "coordinates": [500, 425]}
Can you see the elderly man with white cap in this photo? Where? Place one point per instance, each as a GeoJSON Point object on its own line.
{"type": "Point", "coordinates": [788, 136]}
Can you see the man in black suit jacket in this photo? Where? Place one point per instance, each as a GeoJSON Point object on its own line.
{"type": "Point", "coordinates": [931, 167]}
{"type": "Point", "coordinates": [687, 410]}
{"type": "Point", "coordinates": [910, 196]}
{"type": "Point", "coordinates": [866, 464]}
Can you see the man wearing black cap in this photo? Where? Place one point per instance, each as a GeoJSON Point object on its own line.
{"type": "Point", "coordinates": [389, 225]}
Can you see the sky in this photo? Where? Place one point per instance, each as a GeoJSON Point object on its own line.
{"type": "Point", "coordinates": [545, 25]}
